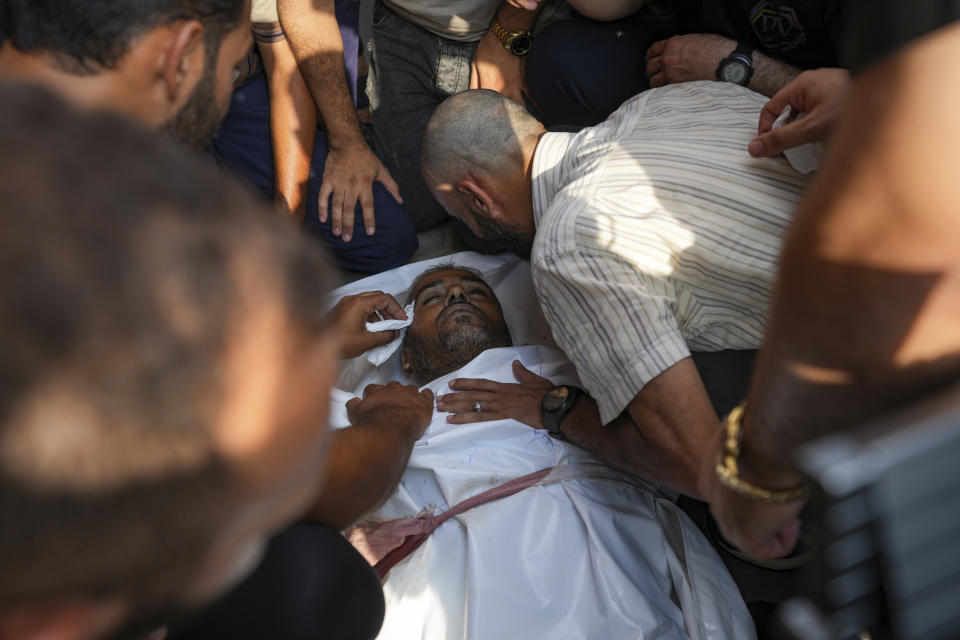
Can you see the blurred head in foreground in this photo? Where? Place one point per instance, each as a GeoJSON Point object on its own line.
{"type": "Point", "coordinates": [157, 331]}
{"type": "Point", "coordinates": [170, 64]}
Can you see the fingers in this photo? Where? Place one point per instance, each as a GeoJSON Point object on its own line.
{"type": "Point", "coordinates": [786, 137]}
{"type": "Point", "coordinates": [655, 49]}
{"type": "Point", "coordinates": [326, 189]}
{"type": "Point", "coordinates": [771, 111]}
{"type": "Point", "coordinates": [384, 178]}
{"type": "Point", "coordinates": [525, 376]}
{"type": "Point", "coordinates": [351, 406]}
{"type": "Point", "coordinates": [775, 106]}
{"type": "Point", "coordinates": [654, 66]}
{"type": "Point", "coordinates": [765, 546]}
{"type": "Point", "coordinates": [387, 305]}
{"type": "Point", "coordinates": [475, 384]}
{"type": "Point", "coordinates": [366, 209]}
{"type": "Point", "coordinates": [336, 216]}
{"type": "Point", "coordinates": [378, 339]}
{"type": "Point", "coordinates": [466, 402]}
{"type": "Point", "coordinates": [427, 396]}
{"type": "Point", "coordinates": [473, 416]}
{"type": "Point", "coordinates": [529, 5]}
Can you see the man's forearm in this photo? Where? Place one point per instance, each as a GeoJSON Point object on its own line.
{"type": "Point", "coordinates": [293, 125]}
{"type": "Point", "coordinates": [619, 444]}
{"type": "Point", "coordinates": [770, 75]}
{"type": "Point", "coordinates": [314, 34]}
{"type": "Point", "coordinates": [365, 464]}
{"type": "Point", "coordinates": [661, 436]}
{"type": "Point", "coordinates": [513, 19]}
{"type": "Point", "coordinates": [604, 10]}
{"type": "Point", "coordinates": [867, 300]}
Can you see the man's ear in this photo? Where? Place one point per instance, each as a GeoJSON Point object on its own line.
{"type": "Point", "coordinates": [183, 56]}
{"type": "Point", "coordinates": [405, 362]}
{"type": "Point", "coordinates": [480, 198]}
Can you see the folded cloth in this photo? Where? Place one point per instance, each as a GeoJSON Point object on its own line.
{"type": "Point", "coordinates": [379, 355]}
{"type": "Point", "coordinates": [806, 157]}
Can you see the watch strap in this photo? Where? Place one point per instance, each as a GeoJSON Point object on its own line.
{"type": "Point", "coordinates": [502, 34]}
{"type": "Point", "coordinates": [744, 50]}
{"type": "Point", "coordinates": [553, 419]}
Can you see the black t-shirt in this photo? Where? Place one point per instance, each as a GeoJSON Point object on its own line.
{"type": "Point", "coordinates": [804, 33]}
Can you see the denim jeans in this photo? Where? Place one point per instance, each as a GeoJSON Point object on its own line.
{"type": "Point", "coordinates": [411, 72]}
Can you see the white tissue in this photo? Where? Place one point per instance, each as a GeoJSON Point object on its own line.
{"type": "Point", "coordinates": [379, 355]}
{"type": "Point", "coordinates": [806, 157]}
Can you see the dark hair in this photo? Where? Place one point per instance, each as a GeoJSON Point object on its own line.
{"type": "Point", "coordinates": [87, 36]}
{"type": "Point", "coordinates": [118, 254]}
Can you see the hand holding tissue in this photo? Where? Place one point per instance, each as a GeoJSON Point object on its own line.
{"type": "Point", "coordinates": [379, 355]}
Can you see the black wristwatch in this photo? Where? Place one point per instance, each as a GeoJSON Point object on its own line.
{"type": "Point", "coordinates": [555, 406]}
{"type": "Point", "coordinates": [738, 66]}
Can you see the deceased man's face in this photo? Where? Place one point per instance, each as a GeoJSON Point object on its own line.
{"type": "Point", "coordinates": [456, 317]}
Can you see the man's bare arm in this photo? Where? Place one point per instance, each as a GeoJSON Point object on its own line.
{"type": "Point", "coordinates": [293, 123]}
{"type": "Point", "coordinates": [366, 460]}
{"type": "Point", "coordinates": [494, 67]}
{"type": "Point", "coordinates": [868, 296]}
{"type": "Point", "coordinates": [351, 167]}
{"type": "Point", "coordinates": [696, 56]}
{"type": "Point", "coordinates": [663, 434]}
{"type": "Point", "coordinates": [875, 243]}
{"type": "Point", "coordinates": [594, 9]}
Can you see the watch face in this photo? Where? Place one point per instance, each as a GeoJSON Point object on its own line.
{"type": "Point", "coordinates": [521, 44]}
{"type": "Point", "coordinates": [555, 398]}
{"type": "Point", "coordinates": [735, 71]}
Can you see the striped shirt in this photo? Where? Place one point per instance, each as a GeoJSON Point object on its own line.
{"type": "Point", "coordinates": [657, 234]}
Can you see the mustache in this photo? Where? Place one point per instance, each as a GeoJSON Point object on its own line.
{"type": "Point", "coordinates": [449, 310]}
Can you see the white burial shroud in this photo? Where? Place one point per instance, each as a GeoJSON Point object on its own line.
{"type": "Point", "coordinates": [580, 558]}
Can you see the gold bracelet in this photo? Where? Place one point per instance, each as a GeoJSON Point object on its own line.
{"type": "Point", "coordinates": [728, 467]}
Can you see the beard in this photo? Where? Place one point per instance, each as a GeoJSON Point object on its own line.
{"type": "Point", "coordinates": [199, 119]}
{"type": "Point", "coordinates": [453, 348]}
{"type": "Point", "coordinates": [505, 237]}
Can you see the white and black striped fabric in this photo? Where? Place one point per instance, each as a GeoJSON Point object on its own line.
{"type": "Point", "coordinates": [657, 233]}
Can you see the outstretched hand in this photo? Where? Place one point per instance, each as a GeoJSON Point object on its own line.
{"type": "Point", "coordinates": [348, 178]}
{"type": "Point", "coordinates": [350, 316]}
{"type": "Point", "coordinates": [402, 405]}
{"type": "Point", "coordinates": [819, 95]}
{"type": "Point", "coordinates": [685, 58]}
{"type": "Point", "coordinates": [498, 400]}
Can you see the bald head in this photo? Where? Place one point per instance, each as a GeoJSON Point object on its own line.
{"type": "Point", "coordinates": [476, 156]}
{"type": "Point", "coordinates": [478, 130]}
